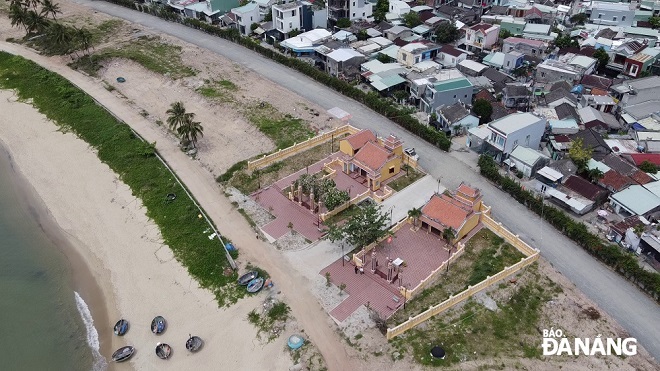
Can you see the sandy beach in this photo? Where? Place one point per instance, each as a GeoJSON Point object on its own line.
{"type": "Point", "coordinates": [137, 275]}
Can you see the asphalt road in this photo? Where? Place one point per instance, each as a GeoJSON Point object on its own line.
{"type": "Point", "coordinates": [635, 311]}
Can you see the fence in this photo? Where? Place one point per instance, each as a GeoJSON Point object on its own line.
{"type": "Point", "coordinates": [344, 206]}
{"type": "Point", "coordinates": [302, 146]}
{"type": "Point", "coordinates": [455, 299]}
{"type": "Point", "coordinates": [509, 237]}
{"type": "Point", "coordinates": [408, 293]}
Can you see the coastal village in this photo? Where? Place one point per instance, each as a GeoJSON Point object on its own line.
{"type": "Point", "coordinates": [326, 239]}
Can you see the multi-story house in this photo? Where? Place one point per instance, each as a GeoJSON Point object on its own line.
{"type": "Point", "coordinates": [298, 15]}
{"type": "Point", "coordinates": [640, 62]}
{"type": "Point", "coordinates": [450, 56]}
{"type": "Point", "coordinates": [265, 6]}
{"type": "Point", "coordinates": [481, 36]}
{"type": "Point", "coordinates": [413, 53]}
{"type": "Point", "coordinates": [351, 9]}
{"type": "Point", "coordinates": [246, 15]}
{"type": "Point", "coordinates": [517, 129]}
{"type": "Point", "coordinates": [516, 96]}
{"type": "Point", "coordinates": [612, 14]}
{"type": "Point", "coordinates": [535, 48]}
{"type": "Point", "coordinates": [446, 92]}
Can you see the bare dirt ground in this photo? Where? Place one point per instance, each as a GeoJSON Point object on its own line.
{"type": "Point", "coordinates": [229, 138]}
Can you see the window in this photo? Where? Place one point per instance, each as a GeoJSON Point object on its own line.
{"type": "Point", "coordinates": [533, 51]}
{"type": "Point", "coordinates": [290, 24]}
{"type": "Point", "coordinates": [353, 14]}
{"type": "Point", "coordinates": [466, 96]}
{"type": "Point", "coordinates": [405, 56]}
{"type": "Point", "coordinates": [527, 140]}
{"type": "Point", "coordinates": [363, 14]}
{"type": "Point", "coordinates": [515, 143]}
{"type": "Point", "coordinates": [293, 13]}
{"type": "Point", "coordinates": [614, 19]}
{"type": "Point", "coordinates": [542, 74]}
{"type": "Point", "coordinates": [633, 69]}
{"type": "Point", "coordinates": [391, 171]}
{"type": "Point", "coordinates": [623, 18]}
{"type": "Point", "coordinates": [454, 96]}
{"type": "Point", "coordinates": [600, 15]}
{"type": "Point", "coordinates": [508, 63]}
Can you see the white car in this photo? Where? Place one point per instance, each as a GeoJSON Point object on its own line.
{"type": "Point", "coordinates": [411, 152]}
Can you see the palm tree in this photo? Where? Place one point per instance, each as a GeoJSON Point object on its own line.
{"type": "Point", "coordinates": [35, 22]}
{"type": "Point", "coordinates": [60, 35]}
{"type": "Point", "coordinates": [415, 213]}
{"type": "Point", "coordinates": [18, 16]}
{"type": "Point", "coordinates": [32, 3]}
{"type": "Point", "coordinates": [49, 7]}
{"type": "Point", "coordinates": [190, 130]}
{"type": "Point", "coordinates": [83, 39]}
{"type": "Point", "coordinates": [178, 116]}
{"type": "Point", "coordinates": [448, 234]}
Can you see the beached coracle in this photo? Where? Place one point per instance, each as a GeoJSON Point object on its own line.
{"type": "Point", "coordinates": [194, 343]}
{"type": "Point", "coordinates": [163, 351]}
{"type": "Point", "coordinates": [123, 353]}
{"type": "Point", "coordinates": [247, 277]}
{"type": "Point", "coordinates": [158, 325]}
{"type": "Point", "coordinates": [121, 327]}
{"type": "Point", "coordinates": [255, 285]}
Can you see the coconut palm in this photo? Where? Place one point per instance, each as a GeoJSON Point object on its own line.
{"type": "Point", "coordinates": [83, 39]}
{"type": "Point", "coordinates": [60, 35]}
{"type": "Point", "coordinates": [35, 22]}
{"type": "Point", "coordinates": [18, 15]}
{"type": "Point", "coordinates": [34, 4]}
{"type": "Point", "coordinates": [178, 116]}
{"type": "Point", "coordinates": [48, 7]}
{"type": "Point", "coordinates": [191, 130]}
{"type": "Point", "coordinates": [415, 213]}
{"type": "Point", "coordinates": [448, 234]}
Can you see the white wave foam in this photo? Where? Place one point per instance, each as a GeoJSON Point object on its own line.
{"type": "Point", "coordinates": [100, 364]}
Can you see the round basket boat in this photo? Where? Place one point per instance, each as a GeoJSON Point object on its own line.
{"type": "Point", "coordinates": [295, 341]}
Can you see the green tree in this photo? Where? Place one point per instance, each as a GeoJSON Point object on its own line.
{"type": "Point", "coordinates": [83, 39]}
{"type": "Point", "coordinates": [18, 16]}
{"type": "Point", "coordinates": [177, 116]}
{"type": "Point", "coordinates": [343, 23]}
{"type": "Point", "coordinates": [362, 35]}
{"type": "Point", "coordinates": [383, 58]}
{"type": "Point", "coordinates": [648, 167]}
{"type": "Point", "coordinates": [254, 26]}
{"type": "Point", "coordinates": [504, 34]}
{"type": "Point", "coordinates": [447, 33]}
{"type": "Point", "coordinates": [565, 42]}
{"type": "Point", "coordinates": [269, 17]}
{"type": "Point", "coordinates": [595, 175]}
{"type": "Point", "coordinates": [400, 95]}
{"type": "Point", "coordinates": [35, 22]}
{"type": "Point", "coordinates": [415, 213]}
{"type": "Point", "coordinates": [412, 19]}
{"type": "Point", "coordinates": [655, 22]}
{"type": "Point", "coordinates": [365, 227]}
{"type": "Point", "coordinates": [382, 7]}
{"type": "Point", "coordinates": [60, 36]}
{"type": "Point", "coordinates": [448, 235]}
{"type": "Point", "coordinates": [602, 57]}
{"type": "Point", "coordinates": [483, 109]}
{"type": "Point", "coordinates": [580, 154]}
{"type": "Point", "coordinates": [579, 18]}
{"type": "Point", "coordinates": [294, 33]}
{"type": "Point", "coordinates": [48, 7]}
{"type": "Point", "coordinates": [335, 197]}
{"type": "Point", "coordinates": [191, 130]}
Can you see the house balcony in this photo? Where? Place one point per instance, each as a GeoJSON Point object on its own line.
{"type": "Point", "coordinates": [337, 13]}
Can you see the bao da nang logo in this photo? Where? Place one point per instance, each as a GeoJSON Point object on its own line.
{"type": "Point", "coordinates": [556, 344]}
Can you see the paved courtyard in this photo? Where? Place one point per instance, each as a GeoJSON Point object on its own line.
{"type": "Point", "coordinates": [422, 253]}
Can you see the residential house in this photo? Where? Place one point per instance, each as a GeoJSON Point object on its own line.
{"type": "Point", "coordinates": [618, 231]}
{"type": "Point", "coordinates": [445, 92]}
{"type": "Point", "coordinates": [209, 10]}
{"type": "Point", "coordinates": [398, 32]}
{"type": "Point", "coordinates": [529, 47]}
{"type": "Point", "coordinates": [536, 14]}
{"type": "Point", "coordinates": [416, 52]}
{"type": "Point", "coordinates": [298, 15]}
{"type": "Point", "coordinates": [592, 139]}
{"type": "Point", "coordinates": [498, 78]}
{"type": "Point", "coordinates": [567, 111]}
{"type": "Point", "coordinates": [344, 62]}
{"type": "Point", "coordinates": [641, 62]}
{"type": "Point", "coordinates": [553, 70]}
{"type": "Point", "coordinates": [574, 195]}
{"type": "Point", "coordinates": [477, 137]}
{"type": "Point", "coordinates": [462, 15]}
{"type": "Point", "coordinates": [459, 211]}
{"type": "Point", "coordinates": [535, 31]}
{"type": "Point", "coordinates": [514, 25]}
{"type": "Point", "coordinates": [527, 160]}
{"type": "Point", "coordinates": [557, 97]}
{"type": "Point", "coordinates": [369, 159]}
{"type": "Point", "coordinates": [307, 42]}
{"type": "Point", "coordinates": [504, 61]}
{"type": "Point", "coordinates": [558, 146]}
{"type": "Point", "coordinates": [524, 129]}
{"type": "Point", "coordinates": [635, 200]}
{"type": "Point", "coordinates": [265, 6]}
{"type": "Point", "coordinates": [516, 96]}
{"type": "Point", "coordinates": [397, 10]}
{"type": "Point", "coordinates": [624, 50]}
{"type": "Point", "coordinates": [612, 14]}
{"type": "Point", "coordinates": [471, 68]}
{"type": "Point", "coordinates": [602, 103]}
{"type": "Point", "coordinates": [481, 36]}
{"type": "Point", "coordinates": [586, 189]}
{"type": "Point", "coordinates": [455, 119]}
{"type": "Point", "coordinates": [564, 127]}
{"type": "Point", "coordinates": [590, 82]}
{"type": "Point", "coordinates": [351, 9]}
{"type": "Point", "coordinates": [246, 15]}
{"type": "Point", "coordinates": [450, 56]}
{"type": "Point", "coordinates": [639, 101]}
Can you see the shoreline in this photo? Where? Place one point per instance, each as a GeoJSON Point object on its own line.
{"type": "Point", "coordinates": [90, 286]}
{"type": "Point", "coordinates": [125, 251]}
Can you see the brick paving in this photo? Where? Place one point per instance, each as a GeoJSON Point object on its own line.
{"type": "Point", "coordinates": [422, 252]}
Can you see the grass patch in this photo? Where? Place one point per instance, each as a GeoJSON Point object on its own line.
{"type": "Point", "coordinates": [283, 130]}
{"type": "Point", "coordinates": [217, 89]}
{"type": "Point", "coordinates": [271, 321]}
{"type": "Point", "coordinates": [248, 182]}
{"type": "Point", "coordinates": [405, 180]}
{"type": "Point", "coordinates": [343, 215]}
{"type": "Point", "coordinates": [149, 52]}
{"type": "Point", "coordinates": [105, 30]}
{"type": "Point", "coordinates": [247, 217]}
{"type": "Point", "coordinates": [485, 254]}
{"type": "Point", "coordinates": [472, 332]}
{"type": "Point", "coordinates": [136, 165]}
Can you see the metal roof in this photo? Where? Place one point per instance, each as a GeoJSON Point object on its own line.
{"type": "Point", "coordinates": [637, 199]}
{"type": "Point", "coordinates": [514, 122]}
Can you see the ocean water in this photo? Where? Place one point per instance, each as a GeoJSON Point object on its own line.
{"type": "Point", "coordinates": [44, 323]}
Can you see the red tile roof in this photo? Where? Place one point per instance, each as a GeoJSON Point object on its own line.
{"type": "Point", "coordinates": [638, 158]}
{"type": "Point", "coordinates": [372, 156]}
{"type": "Point", "coordinates": [467, 190]}
{"type": "Point", "coordinates": [446, 211]}
{"type": "Point", "coordinates": [615, 181]}
{"type": "Point", "coordinates": [641, 177]}
{"type": "Point", "coordinates": [481, 27]}
{"type": "Point", "coordinates": [360, 138]}
{"type": "Point", "coordinates": [562, 139]}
